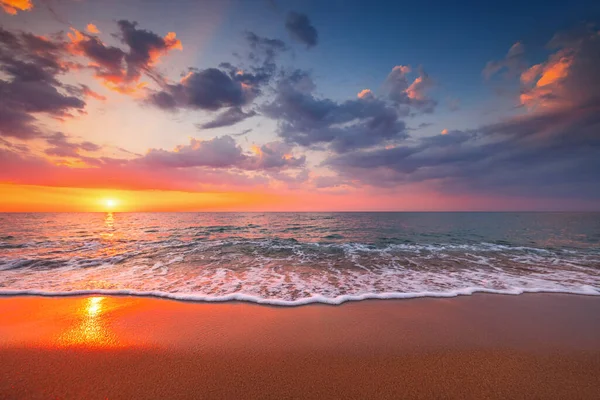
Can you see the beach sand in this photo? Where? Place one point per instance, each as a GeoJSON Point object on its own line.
{"type": "Point", "coordinates": [480, 346]}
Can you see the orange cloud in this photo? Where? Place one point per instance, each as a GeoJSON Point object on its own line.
{"type": "Point", "coordinates": [555, 71]}
{"type": "Point", "coordinates": [12, 7]}
{"type": "Point", "coordinates": [444, 131]}
{"type": "Point", "coordinates": [171, 43]}
{"type": "Point", "coordinates": [76, 37]}
{"type": "Point", "coordinates": [365, 94]}
{"type": "Point", "coordinates": [91, 28]}
{"type": "Point", "coordinates": [256, 150]}
{"type": "Point", "coordinates": [531, 74]}
{"type": "Point", "coordinates": [124, 88]}
{"type": "Point", "coordinates": [544, 82]}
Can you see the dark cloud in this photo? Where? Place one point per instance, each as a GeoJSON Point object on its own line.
{"type": "Point", "coordinates": [145, 47]}
{"type": "Point", "coordinates": [541, 154]}
{"type": "Point", "coordinates": [108, 61]}
{"type": "Point", "coordinates": [551, 150]}
{"type": "Point", "coordinates": [227, 87]}
{"type": "Point", "coordinates": [63, 147]}
{"type": "Point", "coordinates": [31, 66]}
{"type": "Point", "coordinates": [16, 123]}
{"type": "Point", "coordinates": [209, 89]}
{"type": "Point", "coordinates": [300, 29]}
{"type": "Point", "coordinates": [228, 118]}
{"type": "Point", "coordinates": [307, 120]}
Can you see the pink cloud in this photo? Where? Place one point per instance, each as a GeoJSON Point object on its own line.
{"type": "Point", "coordinates": [365, 94]}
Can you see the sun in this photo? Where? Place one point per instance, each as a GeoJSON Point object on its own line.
{"type": "Point", "coordinates": [110, 203]}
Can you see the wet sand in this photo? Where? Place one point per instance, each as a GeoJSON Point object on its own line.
{"type": "Point", "coordinates": [480, 346]}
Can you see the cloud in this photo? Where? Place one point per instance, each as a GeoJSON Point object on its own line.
{"type": "Point", "coordinates": [31, 66]}
{"type": "Point", "coordinates": [145, 47]}
{"type": "Point", "coordinates": [198, 165]}
{"type": "Point", "coordinates": [110, 173]}
{"type": "Point", "coordinates": [549, 151]}
{"type": "Point", "coordinates": [261, 56]}
{"type": "Point", "coordinates": [87, 92]}
{"type": "Point", "coordinates": [224, 152]}
{"type": "Point", "coordinates": [307, 120]}
{"type": "Point", "coordinates": [228, 118]}
{"type": "Point", "coordinates": [274, 156]}
{"type": "Point", "coordinates": [262, 46]}
{"type": "Point", "coordinates": [569, 78]}
{"type": "Point", "coordinates": [300, 29]}
{"type": "Point", "coordinates": [424, 125]}
{"type": "Point", "coordinates": [543, 154]}
{"type": "Point", "coordinates": [107, 61]}
{"type": "Point", "coordinates": [208, 89]}
{"type": "Point", "coordinates": [121, 70]}
{"type": "Point", "coordinates": [93, 29]}
{"type": "Point", "coordinates": [365, 94]}
{"type": "Point", "coordinates": [220, 152]}
{"type": "Point", "coordinates": [413, 95]}
{"type": "Point", "coordinates": [14, 6]}
{"type": "Point", "coordinates": [227, 87]}
{"type": "Point", "coordinates": [514, 62]}
{"type": "Point", "coordinates": [63, 147]}
{"type": "Point", "coordinates": [444, 131]}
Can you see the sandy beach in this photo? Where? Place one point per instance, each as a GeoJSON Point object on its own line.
{"type": "Point", "coordinates": [480, 346]}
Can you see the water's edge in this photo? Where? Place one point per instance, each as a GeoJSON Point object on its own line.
{"type": "Point", "coordinates": [241, 297]}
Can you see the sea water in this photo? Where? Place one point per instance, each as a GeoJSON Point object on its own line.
{"type": "Point", "coordinates": [299, 258]}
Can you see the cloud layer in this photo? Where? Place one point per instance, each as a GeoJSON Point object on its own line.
{"type": "Point", "coordinates": [548, 147]}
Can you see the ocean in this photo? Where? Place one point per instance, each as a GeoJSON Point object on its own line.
{"type": "Point", "coordinates": [298, 258]}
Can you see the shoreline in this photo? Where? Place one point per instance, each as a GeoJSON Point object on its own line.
{"type": "Point", "coordinates": [316, 300]}
{"type": "Point", "coordinates": [484, 346]}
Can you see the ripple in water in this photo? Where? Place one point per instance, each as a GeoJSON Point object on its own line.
{"type": "Point", "coordinates": [291, 259]}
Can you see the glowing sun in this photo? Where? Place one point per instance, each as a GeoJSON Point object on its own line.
{"type": "Point", "coordinates": [110, 203]}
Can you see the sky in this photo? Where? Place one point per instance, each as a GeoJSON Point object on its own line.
{"type": "Point", "coordinates": [272, 105]}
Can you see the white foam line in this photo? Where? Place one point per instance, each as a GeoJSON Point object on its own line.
{"type": "Point", "coordinates": [585, 290]}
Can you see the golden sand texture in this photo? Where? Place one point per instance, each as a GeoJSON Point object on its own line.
{"type": "Point", "coordinates": [482, 346]}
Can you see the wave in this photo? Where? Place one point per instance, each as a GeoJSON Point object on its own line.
{"type": "Point", "coordinates": [319, 299]}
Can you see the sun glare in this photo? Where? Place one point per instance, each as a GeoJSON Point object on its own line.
{"type": "Point", "coordinates": [110, 203]}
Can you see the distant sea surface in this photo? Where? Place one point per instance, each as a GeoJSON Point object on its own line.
{"type": "Point", "coordinates": [299, 258]}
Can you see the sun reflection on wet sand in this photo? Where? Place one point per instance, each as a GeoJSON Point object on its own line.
{"type": "Point", "coordinates": [93, 329]}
